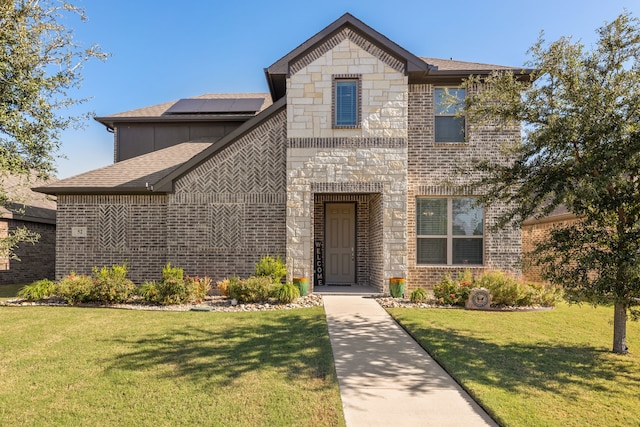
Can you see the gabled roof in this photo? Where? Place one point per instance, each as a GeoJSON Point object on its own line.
{"type": "Point", "coordinates": [157, 112]}
{"type": "Point", "coordinates": [278, 71]}
{"type": "Point", "coordinates": [133, 176]}
{"type": "Point", "coordinates": [156, 171]}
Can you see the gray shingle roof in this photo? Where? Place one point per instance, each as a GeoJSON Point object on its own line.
{"type": "Point", "coordinates": [24, 203]}
{"type": "Point", "coordinates": [159, 109]}
{"type": "Point", "coordinates": [454, 65]}
{"type": "Point", "coordinates": [135, 175]}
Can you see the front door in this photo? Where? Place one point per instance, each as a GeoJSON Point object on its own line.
{"type": "Point", "coordinates": [340, 243]}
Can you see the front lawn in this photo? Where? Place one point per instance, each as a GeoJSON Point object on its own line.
{"type": "Point", "coordinates": [86, 366]}
{"type": "Point", "coordinates": [550, 368]}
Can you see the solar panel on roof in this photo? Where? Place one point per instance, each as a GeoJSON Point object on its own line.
{"type": "Point", "coordinates": [219, 105]}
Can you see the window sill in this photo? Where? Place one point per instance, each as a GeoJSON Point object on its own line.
{"type": "Point", "coordinates": [452, 266]}
{"type": "Point", "coordinates": [449, 144]}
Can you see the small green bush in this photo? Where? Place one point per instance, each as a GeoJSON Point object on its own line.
{"type": "Point", "coordinates": [287, 293]}
{"type": "Point", "coordinates": [172, 273]}
{"type": "Point", "coordinates": [419, 295]}
{"type": "Point", "coordinates": [251, 290]}
{"type": "Point", "coordinates": [75, 288]}
{"type": "Point", "coordinates": [454, 292]}
{"type": "Point", "coordinates": [148, 291]}
{"type": "Point", "coordinates": [197, 288]}
{"type": "Point", "coordinates": [171, 289]}
{"type": "Point", "coordinates": [223, 285]}
{"type": "Point", "coordinates": [111, 284]}
{"type": "Point", "coordinates": [506, 290]}
{"type": "Point", "coordinates": [175, 288]}
{"type": "Point", "coordinates": [38, 290]}
{"type": "Point", "coordinates": [272, 267]}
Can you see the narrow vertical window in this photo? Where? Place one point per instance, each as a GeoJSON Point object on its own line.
{"type": "Point", "coordinates": [449, 127]}
{"type": "Point", "coordinates": [346, 102]}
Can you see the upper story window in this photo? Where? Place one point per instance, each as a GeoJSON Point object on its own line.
{"type": "Point", "coordinates": [346, 101]}
{"type": "Point", "coordinates": [449, 231]}
{"type": "Point", "coordinates": [448, 127]}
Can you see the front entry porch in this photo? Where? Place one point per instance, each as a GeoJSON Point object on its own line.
{"type": "Point", "coordinates": [347, 236]}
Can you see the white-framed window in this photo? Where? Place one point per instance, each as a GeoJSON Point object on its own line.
{"type": "Point", "coordinates": [448, 127]}
{"type": "Point", "coordinates": [346, 101]}
{"type": "Point", "coordinates": [450, 231]}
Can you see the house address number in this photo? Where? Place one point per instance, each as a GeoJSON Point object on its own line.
{"type": "Point", "coordinates": [78, 231]}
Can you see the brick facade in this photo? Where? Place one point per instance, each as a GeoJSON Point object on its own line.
{"type": "Point", "coordinates": [222, 217]}
{"type": "Point", "coordinates": [37, 261]}
{"type": "Point", "coordinates": [432, 167]}
{"type": "Point", "coordinates": [119, 229]}
{"type": "Point", "coordinates": [534, 232]}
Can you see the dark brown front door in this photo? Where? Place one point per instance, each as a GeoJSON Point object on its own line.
{"type": "Point", "coordinates": [340, 243]}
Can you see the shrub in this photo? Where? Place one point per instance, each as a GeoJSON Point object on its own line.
{"type": "Point", "coordinates": [75, 288]}
{"type": "Point", "coordinates": [38, 290]}
{"type": "Point", "coordinates": [111, 284]}
{"type": "Point", "coordinates": [197, 288]}
{"type": "Point", "coordinates": [454, 292]}
{"type": "Point", "coordinates": [506, 290]}
{"type": "Point", "coordinates": [419, 295]}
{"type": "Point", "coordinates": [251, 290]}
{"type": "Point", "coordinates": [287, 293]}
{"type": "Point", "coordinates": [172, 273]}
{"type": "Point", "coordinates": [148, 291]}
{"type": "Point", "coordinates": [223, 285]}
{"type": "Point", "coordinates": [271, 267]}
{"type": "Point", "coordinates": [171, 289]}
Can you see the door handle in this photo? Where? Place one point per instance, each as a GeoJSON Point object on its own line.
{"type": "Point", "coordinates": [353, 254]}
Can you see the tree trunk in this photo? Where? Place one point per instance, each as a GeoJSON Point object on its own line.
{"type": "Point", "coordinates": [620, 328]}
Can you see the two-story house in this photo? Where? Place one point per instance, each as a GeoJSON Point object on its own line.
{"type": "Point", "coordinates": [344, 169]}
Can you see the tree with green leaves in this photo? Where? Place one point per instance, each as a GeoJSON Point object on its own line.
{"type": "Point", "coordinates": [40, 63]}
{"type": "Point", "coordinates": [580, 147]}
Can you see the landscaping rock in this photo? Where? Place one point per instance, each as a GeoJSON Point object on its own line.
{"type": "Point", "coordinates": [211, 303]}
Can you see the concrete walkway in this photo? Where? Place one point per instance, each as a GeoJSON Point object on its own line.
{"type": "Point", "coordinates": [385, 377]}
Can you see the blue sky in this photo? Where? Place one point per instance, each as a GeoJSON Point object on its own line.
{"type": "Point", "coordinates": [166, 50]}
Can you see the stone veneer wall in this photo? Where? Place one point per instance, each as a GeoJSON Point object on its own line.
{"type": "Point", "coordinates": [119, 229]}
{"type": "Point", "coordinates": [378, 171]}
{"type": "Point", "coordinates": [384, 90]}
{"type": "Point", "coordinates": [368, 160]}
{"type": "Point", "coordinates": [37, 261]}
{"type": "Point", "coordinates": [230, 211]}
{"type": "Point", "coordinates": [430, 165]}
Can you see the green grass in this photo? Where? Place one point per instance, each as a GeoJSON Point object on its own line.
{"type": "Point", "coordinates": [86, 366]}
{"type": "Point", "coordinates": [547, 368]}
{"type": "Point", "coordinates": [9, 291]}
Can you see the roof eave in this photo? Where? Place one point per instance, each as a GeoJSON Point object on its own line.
{"type": "Point", "coordinates": [110, 122]}
{"type": "Point", "coordinates": [94, 190]}
{"type": "Point", "coordinates": [280, 68]}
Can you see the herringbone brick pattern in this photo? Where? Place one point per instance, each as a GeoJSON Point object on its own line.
{"type": "Point", "coordinates": [113, 226]}
{"type": "Point", "coordinates": [226, 226]}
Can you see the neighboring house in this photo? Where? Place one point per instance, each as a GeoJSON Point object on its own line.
{"type": "Point", "coordinates": [342, 166]}
{"type": "Point", "coordinates": [535, 231]}
{"type": "Point", "coordinates": [37, 213]}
